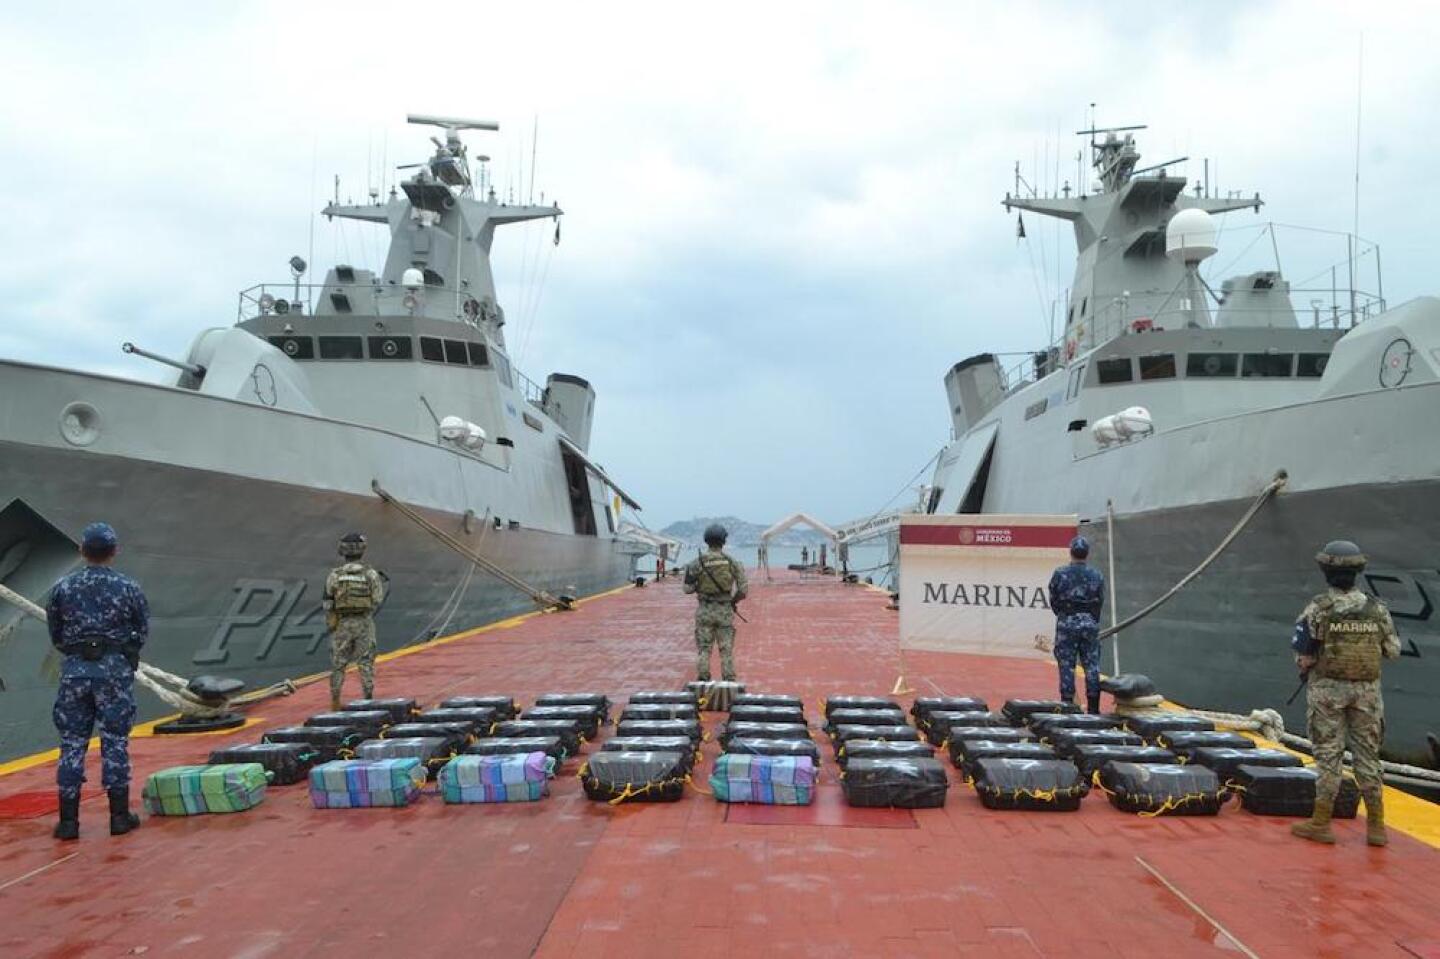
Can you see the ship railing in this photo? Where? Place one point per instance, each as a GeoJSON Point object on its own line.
{"type": "Point", "coordinates": [534, 392]}
{"type": "Point", "coordinates": [279, 299]}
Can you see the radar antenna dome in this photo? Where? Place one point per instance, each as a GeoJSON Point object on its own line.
{"type": "Point", "coordinates": [412, 279]}
{"type": "Point", "coordinates": [1190, 236]}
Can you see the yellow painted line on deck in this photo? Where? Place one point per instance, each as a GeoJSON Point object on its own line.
{"type": "Point", "coordinates": [148, 729]}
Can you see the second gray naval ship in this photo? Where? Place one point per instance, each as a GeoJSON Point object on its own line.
{"type": "Point", "coordinates": [1176, 416]}
{"type": "Point", "coordinates": [231, 484]}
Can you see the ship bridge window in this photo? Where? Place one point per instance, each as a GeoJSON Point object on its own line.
{"type": "Point", "coordinates": [432, 349]}
{"type": "Point", "coordinates": [455, 353]}
{"type": "Point", "coordinates": [1312, 364]}
{"type": "Point", "coordinates": [502, 367]}
{"type": "Point", "coordinates": [1116, 370]}
{"type": "Point", "coordinates": [391, 348]}
{"type": "Point", "coordinates": [295, 347]}
{"type": "Point", "coordinates": [1211, 364]}
{"type": "Point", "coordinates": [1158, 366]}
{"type": "Point", "coordinates": [341, 348]}
{"type": "Point", "coordinates": [478, 356]}
{"type": "Point", "coordinates": [1267, 364]}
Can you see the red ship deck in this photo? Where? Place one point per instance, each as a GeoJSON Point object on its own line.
{"type": "Point", "coordinates": [569, 877]}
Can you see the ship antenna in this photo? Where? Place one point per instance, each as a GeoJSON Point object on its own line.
{"type": "Point", "coordinates": [1355, 222]}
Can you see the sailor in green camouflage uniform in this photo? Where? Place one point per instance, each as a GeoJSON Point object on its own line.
{"type": "Point", "coordinates": [353, 592]}
{"type": "Point", "coordinates": [1339, 640]}
{"type": "Point", "coordinates": [718, 580]}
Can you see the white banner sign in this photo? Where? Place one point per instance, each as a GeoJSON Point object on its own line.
{"type": "Point", "coordinates": [978, 583]}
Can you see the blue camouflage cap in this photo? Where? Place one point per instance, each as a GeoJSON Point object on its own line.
{"type": "Point", "coordinates": [1079, 546]}
{"type": "Point", "coordinates": [99, 536]}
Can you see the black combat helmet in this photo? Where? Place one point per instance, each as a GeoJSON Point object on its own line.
{"type": "Point", "coordinates": [1341, 561]}
{"type": "Point", "coordinates": [715, 535]}
{"type": "Point", "coordinates": [352, 545]}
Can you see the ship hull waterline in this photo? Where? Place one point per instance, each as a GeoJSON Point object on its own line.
{"type": "Point", "coordinates": [233, 568]}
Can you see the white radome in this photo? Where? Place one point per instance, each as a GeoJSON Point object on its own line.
{"type": "Point", "coordinates": [1190, 236]}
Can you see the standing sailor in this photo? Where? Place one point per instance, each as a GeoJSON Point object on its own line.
{"type": "Point", "coordinates": [1339, 640]}
{"type": "Point", "coordinates": [1077, 594]}
{"type": "Point", "coordinates": [98, 619]}
{"type": "Point", "coordinates": [353, 592]}
{"type": "Point", "coordinates": [719, 581]}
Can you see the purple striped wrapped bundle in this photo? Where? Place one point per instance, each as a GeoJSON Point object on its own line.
{"type": "Point", "coordinates": [771, 780]}
{"type": "Point", "coordinates": [516, 777]}
{"type": "Point", "coordinates": [354, 783]}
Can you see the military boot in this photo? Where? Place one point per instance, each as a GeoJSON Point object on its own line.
{"type": "Point", "coordinates": [1092, 704]}
{"type": "Point", "coordinates": [69, 825]}
{"type": "Point", "coordinates": [335, 702]}
{"type": "Point", "coordinates": [1375, 819]}
{"type": "Point", "coordinates": [122, 820]}
{"type": "Point", "coordinates": [1317, 827]}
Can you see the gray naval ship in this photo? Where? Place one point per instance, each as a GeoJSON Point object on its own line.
{"type": "Point", "coordinates": [1175, 405]}
{"type": "Point", "coordinates": [231, 483]}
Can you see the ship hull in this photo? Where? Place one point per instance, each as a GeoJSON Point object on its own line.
{"type": "Point", "coordinates": [233, 568]}
{"type": "Point", "coordinates": [1223, 641]}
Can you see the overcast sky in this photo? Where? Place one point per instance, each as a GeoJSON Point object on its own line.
{"type": "Point", "coordinates": [782, 220]}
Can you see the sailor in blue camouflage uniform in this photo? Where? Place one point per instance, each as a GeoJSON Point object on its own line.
{"type": "Point", "coordinates": [98, 619]}
{"type": "Point", "coordinates": [1077, 594]}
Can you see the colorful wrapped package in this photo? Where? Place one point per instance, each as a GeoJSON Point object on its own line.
{"type": "Point", "coordinates": [660, 711]}
{"type": "Point", "coordinates": [588, 715]}
{"type": "Point", "coordinates": [552, 746]}
{"type": "Point", "coordinates": [285, 763]}
{"type": "Point", "coordinates": [766, 699]}
{"type": "Point", "coordinates": [664, 696]}
{"type": "Point", "coordinates": [965, 753]}
{"type": "Point", "coordinates": [400, 708]}
{"type": "Point", "coordinates": [634, 777]}
{"type": "Point", "coordinates": [1162, 789]}
{"type": "Point", "coordinates": [924, 705]}
{"type": "Point", "coordinates": [766, 714]}
{"type": "Point", "coordinates": [767, 780]}
{"type": "Point", "coordinates": [357, 783]}
{"type": "Point", "coordinates": [194, 790]}
{"type": "Point", "coordinates": [884, 749]}
{"type": "Point", "coordinates": [1017, 710]}
{"type": "Point", "coordinates": [1152, 725]}
{"type": "Point", "coordinates": [715, 695]}
{"type": "Point", "coordinates": [519, 777]}
{"type": "Point", "coordinates": [1036, 785]}
{"type": "Point", "coordinates": [753, 746]}
{"type": "Point", "coordinates": [1288, 791]}
{"type": "Point", "coordinates": [898, 782]}
{"type": "Point", "coordinates": [504, 706]}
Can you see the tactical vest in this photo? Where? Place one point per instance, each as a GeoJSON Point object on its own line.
{"type": "Point", "coordinates": [1350, 643]}
{"type": "Point", "coordinates": [353, 589]}
{"type": "Point", "coordinates": [716, 578]}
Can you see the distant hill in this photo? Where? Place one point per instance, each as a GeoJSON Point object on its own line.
{"type": "Point", "coordinates": [741, 532]}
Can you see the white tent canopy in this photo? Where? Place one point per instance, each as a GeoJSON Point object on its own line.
{"type": "Point", "coordinates": [796, 519]}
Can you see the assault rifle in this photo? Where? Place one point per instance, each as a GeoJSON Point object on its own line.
{"type": "Point", "coordinates": [734, 603]}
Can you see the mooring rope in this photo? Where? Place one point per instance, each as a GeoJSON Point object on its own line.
{"type": "Point", "coordinates": [539, 596]}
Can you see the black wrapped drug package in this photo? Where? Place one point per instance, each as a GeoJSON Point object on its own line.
{"type": "Point", "coordinates": [1017, 710]}
{"type": "Point", "coordinates": [567, 729]}
{"type": "Point", "coordinates": [740, 713]}
{"type": "Point", "coordinates": [900, 782]}
{"type": "Point", "coordinates": [1151, 725]}
{"type": "Point", "coordinates": [596, 700]}
{"type": "Point", "coordinates": [504, 706]}
{"type": "Point", "coordinates": [588, 716]}
{"type": "Point", "coordinates": [286, 762]}
{"type": "Point", "coordinates": [1065, 740]}
{"type": "Point", "coordinates": [1183, 742]}
{"type": "Point", "coordinates": [1089, 757]}
{"type": "Point", "coordinates": [370, 721]}
{"type": "Point", "coordinates": [653, 744]}
{"type": "Point", "coordinates": [884, 749]}
{"type": "Point", "coordinates": [665, 696]}
{"type": "Point", "coordinates": [743, 730]}
{"type": "Point", "coordinates": [1225, 759]}
{"type": "Point", "coordinates": [923, 705]}
{"type": "Point", "coordinates": [620, 777]}
{"type": "Point", "coordinates": [766, 699]}
{"type": "Point", "coordinates": [689, 728]}
{"type": "Point", "coordinates": [551, 746]}
{"type": "Point", "coordinates": [1161, 789]}
{"type": "Point", "coordinates": [400, 708]}
{"type": "Point", "coordinates": [1289, 791]}
{"type": "Point", "coordinates": [1034, 785]}
{"type": "Point", "coordinates": [329, 742]}
{"type": "Point", "coordinates": [833, 703]}
{"type": "Point", "coordinates": [965, 753]}
{"type": "Point", "coordinates": [775, 747]}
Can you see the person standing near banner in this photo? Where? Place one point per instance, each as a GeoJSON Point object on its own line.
{"type": "Point", "coordinates": [1077, 595]}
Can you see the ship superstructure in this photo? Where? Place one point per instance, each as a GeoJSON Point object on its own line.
{"type": "Point", "coordinates": [230, 483]}
{"type": "Point", "coordinates": [1173, 404]}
